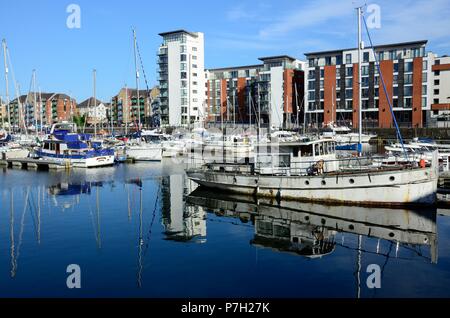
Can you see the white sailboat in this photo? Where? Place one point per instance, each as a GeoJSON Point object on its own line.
{"type": "Point", "coordinates": [142, 148]}
{"type": "Point", "coordinates": [323, 179]}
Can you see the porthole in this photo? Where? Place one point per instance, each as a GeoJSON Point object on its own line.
{"type": "Point", "coordinates": [306, 182]}
{"type": "Point", "coordinates": [392, 178]}
{"type": "Point", "coordinates": [307, 218]}
{"type": "Point", "coordinates": [391, 234]}
{"type": "Point", "coordinates": [323, 221]}
{"type": "Point", "coordinates": [351, 227]}
{"type": "Point", "coordinates": [351, 181]}
{"type": "Point", "coordinates": [324, 182]}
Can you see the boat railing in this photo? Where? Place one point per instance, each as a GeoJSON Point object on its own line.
{"type": "Point", "coordinates": [272, 166]}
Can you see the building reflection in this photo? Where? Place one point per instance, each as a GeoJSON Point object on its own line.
{"type": "Point", "coordinates": [314, 230]}
{"type": "Point", "coordinates": [182, 222]}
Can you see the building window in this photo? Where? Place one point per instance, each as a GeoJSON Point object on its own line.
{"type": "Point", "coordinates": [349, 104]}
{"type": "Point", "coordinates": [348, 59]}
{"type": "Point", "coordinates": [436, 82]}
{"type": "Point", "coordinates": [349, 71]}
{"type": "Point", "coordinates": [424, 102]}
{"type": "Point", "coordinates": [364, 70]}
{"type": "Point", "coordinates": [339, 60]}
{"type": "Point", "coordinates": [194, 74]}
{"type": "Point", "coordinates": [407, 91]}
{"type": "Point", "coordinates": [328, 60]}
{"type": "Point", "coordinates": [194, 65]}
{"type": "Point", "coordinates": [395, 67]}
{"type": "Point", "coordinates": [366, 57]}
{"type": "Point", "coordinates": [194, 57]}
{"type": "Point", "coordinates": [436, 92]}
{"type": "Point", "coordinates": [349, 82]}
{"type": "Point", "coordinates": [424, 65]}
{"type": "Point", "coordinates": [408, 103]}
{"type": "Point", "coordinates": [436, 101]}
{"type": "Point", "coordinates": [408, 79]}
{"type": "Point", "coordinates": [311, 62]}
{"type": "Point", "coordinates": [183, 58]}
{"type": "Point", "coordinates": [408, 67]}
{"type": "Point", "coordinates": [424, 77]}
{"type": "Point", "coordinates": [349, 93]}
{"type": "Point", "coordinates": [321, 83]}
{"type": "Point", "coordinates": [424, 89]}
{"type": "Point", "coordinates": [183, 75]}
{"type": "Point", "coordinates": [437, 73]}
{"type": "Point", "coordinates": [194, 49]}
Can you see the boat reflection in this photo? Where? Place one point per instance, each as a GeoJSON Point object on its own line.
{"type": "Point", "coordinates": [312, 230]}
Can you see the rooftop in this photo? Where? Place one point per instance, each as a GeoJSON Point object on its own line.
{"type": "Point", "coordinates": [392, 45]}
{"type": "Point", "coordinates": [277, 57]}
{"type": "Point", "coordinates": [176, 32]}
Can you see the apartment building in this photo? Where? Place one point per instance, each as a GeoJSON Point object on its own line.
{"type": "Point", "coordinates": [440, 104]}
{"type": "Point", "coordinates": [125, 106]}
{"type": "Point", "coordinates": [332, 86]}
{"type": "Point", "coordinates": [47, 108]}
{"type": "Point", "coordinates": [181, 77]}
{"type": "Point", "coordinates": [270, 91]}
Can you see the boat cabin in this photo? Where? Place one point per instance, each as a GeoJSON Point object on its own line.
{"type": "Point", "coordinates": [297, 158]}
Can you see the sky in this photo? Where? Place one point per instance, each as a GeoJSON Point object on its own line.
{"type": "Point", "coordinates": [237, 32]}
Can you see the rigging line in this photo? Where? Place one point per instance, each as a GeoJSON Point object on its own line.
{"type": "Point", "coordinates": [16, 88]}
{"type": "Point", "coordinates": [399, 135]}
{"type": "Point", "coordinates": [142, 67]}
{"type": "Point", "coordinates": [147, 245]}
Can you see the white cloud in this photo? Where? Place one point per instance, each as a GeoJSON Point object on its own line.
{"type": "Point", "coordinates": [318, 13]}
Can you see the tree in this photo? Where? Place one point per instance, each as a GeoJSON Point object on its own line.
{"type": "Point", "coordinates": [79, 120]}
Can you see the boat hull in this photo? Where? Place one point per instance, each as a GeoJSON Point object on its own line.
{"type": "Point", "coordinates": [389, 188]}
{"type": "Point", "coordinates": [92, 162]}
{"type": "Point", "coordinates": [145, 153]}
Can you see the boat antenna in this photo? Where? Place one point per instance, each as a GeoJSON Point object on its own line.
{"type": "Point", "coordinates": [399, 135]}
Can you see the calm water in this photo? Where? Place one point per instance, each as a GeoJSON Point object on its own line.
{"type": "Point", "coordinates": [138, 231]}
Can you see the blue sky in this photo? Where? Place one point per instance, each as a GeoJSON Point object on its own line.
{"type": "Point", "coordinates": [237, 32]}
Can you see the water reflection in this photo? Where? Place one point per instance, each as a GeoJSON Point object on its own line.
{"type": "Point", "coordinates": [311, 230]}
{"type": "Point", "coordinates": [183, 223]}
{"type": "Point", "coordinates": [133, 222]}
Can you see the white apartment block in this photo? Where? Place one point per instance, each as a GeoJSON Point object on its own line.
{"type": "Point", "coordinates": [181, 75]}
{"type": "Point", "coordinates": [440, 90]}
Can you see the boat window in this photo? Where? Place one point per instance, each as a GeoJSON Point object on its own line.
{"type": "Point", "coordinates": [317, 149]}
{"type": "Point", "coordinates": [296, 151]}
{"type": "Point", "coordinates": [47, 146]}
{"type": "Point", "coordinates": [306, 150]}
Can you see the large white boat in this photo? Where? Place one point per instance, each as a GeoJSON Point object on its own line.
{"type": "Point", "coordinates": [63, 146]}
{"type": "Point", "coordinates": [309, 171]}
{"type": "Point", "coordinates": [145, 146]}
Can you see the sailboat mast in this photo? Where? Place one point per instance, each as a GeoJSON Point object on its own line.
{"type": "Point", "coordinates": [35, 102]}
{"type": "Point", "coordinates": [95, 102]}
{"type": "Point", "coordinates": [126, 111]}
{"type": "Point", "coordinates": [137, 81]}
{"type": "Point", "coordinates": [360, 44]}
{"type": "Point", "coordinates": [40, 109]}
{"type": "Point", "coordinates": [7, 86]}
